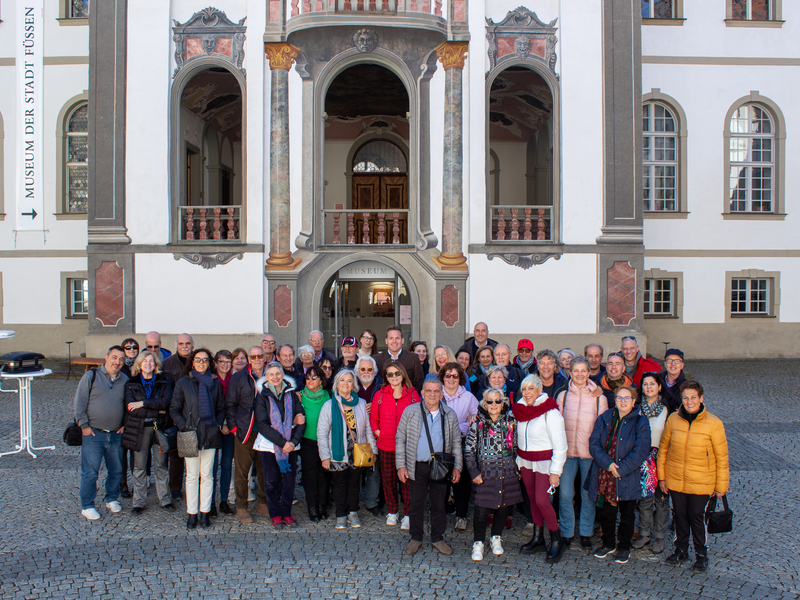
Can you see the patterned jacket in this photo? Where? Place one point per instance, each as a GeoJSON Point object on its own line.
{"type": "Point", "coordinates": [491, 452]}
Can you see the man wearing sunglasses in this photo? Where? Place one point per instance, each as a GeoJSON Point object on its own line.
{"type": "Point", "coordinates": [239, 402]}
{"type": "Point", "coordinates": [152, 343]}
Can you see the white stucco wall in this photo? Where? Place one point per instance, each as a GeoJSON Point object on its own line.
{"type": "Point", "coordinates": [35, 299]}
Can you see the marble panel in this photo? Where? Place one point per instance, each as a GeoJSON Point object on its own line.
{"type": "Point", "coordinates": [507, 45]}
{"type": "Point", "coordinates": [621, 293]}
{"type": "Point", "coordinates": [109, 293]}
{"type": "Point", "coordinates": [450, 305]}
{"type": "Point", "coordinates": [282, 307]}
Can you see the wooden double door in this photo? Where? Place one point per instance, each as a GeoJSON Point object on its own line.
{"type": "Point", "coordinates": [380, 193]}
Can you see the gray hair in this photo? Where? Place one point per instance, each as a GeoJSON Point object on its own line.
{"type": "Point", "coordinates": [506, 346]}
{"type": "Point", "coordinates": [580, 360]}
{"type": "Point", "coordinates": [311, 333]}
{"type": "Point", "coordinates": [282, 346]}
{"type": "Point", "coordinates": [593, 345]}
{"type": "Point", "coordinates": [273, 365]}
{"type": "Point", "coordinates": [341, 374]}
{"type": "Point", "coordinates": [531, 381]}
{"type": "Point", "coordinates": [548, 354]}
{"type": "Point", "coordinates": [306, 349]}
{"type": "Point", "coordinates": [488, 392]}
{"type": "Point", "coordinates": [367, 359]}
{"type": "Point", "coordinates": [496, 369]}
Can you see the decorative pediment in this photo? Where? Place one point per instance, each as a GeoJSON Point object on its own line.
{"type": "Point", "coordinates": [522, 35]}
{"type": "Point", "coordinates": [525, 261]}
{"type": "Point", "coordinates": [209, 32]}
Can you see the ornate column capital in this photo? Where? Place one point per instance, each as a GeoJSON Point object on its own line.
{"type": "Point", "coordinates": [280, 56]}
{"type": "Point", "coordinates": [452, 54]}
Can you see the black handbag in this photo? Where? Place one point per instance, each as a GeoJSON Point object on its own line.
{"type": "Point", "coordinates": [441, 462]}
{"type": "Point", "coordinates": [73, 436]}
{"type": "Point", "coordinates": [718, 521]}
{"type": "Point", "coordinates": [167, 439]}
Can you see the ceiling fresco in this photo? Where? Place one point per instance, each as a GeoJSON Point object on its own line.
{"type": "Point", "coordinates": [214, 96]}
{"type": "Point", "coordinates": [519, 104]}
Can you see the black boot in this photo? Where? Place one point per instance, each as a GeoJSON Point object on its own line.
{"type": "Point", "coordinates": [556, 549]}
{"type": "Point", "coordinates": [205, 520]}
{"type": "Point", "coordinates": [191, 522]}
{"type": "Point", "coordinates": [213, 512]}
{"type": "Point", "coordinates": [313, 514]}
{"type": "Point", "coordinates": [537, 543]}
{"type": "Point", "coordinates": [225, 508]}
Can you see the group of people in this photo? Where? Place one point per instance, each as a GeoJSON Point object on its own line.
{"type": "Point", "coordinates": [409, 426]}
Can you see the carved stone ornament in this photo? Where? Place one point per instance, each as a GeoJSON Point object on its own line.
{"type": "Point", "coordinates": [452, 55]}
{"type": "Point", "coordinates": [280, 56]}
{"type": "Point", "coordinates": [525, 261]}
{"type": "Point", "coordinates": [522, 35]}
{"type": "Point", "coordinates": [209, 33]}
{"type": "Point", "coordinates": [209, 261]}
{"type": "Point", "coordinates": [365, 40]}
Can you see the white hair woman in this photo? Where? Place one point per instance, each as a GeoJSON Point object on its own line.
{"type": "Point", "coordinates": [541, 454]}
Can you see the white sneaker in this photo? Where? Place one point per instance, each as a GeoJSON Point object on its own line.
{"type": "Point", "coordinates": [114, 506]}
{"type": "Point", "coordinates": [405, 524]}
{"type": "Point", "coordinates": [477, 551]}
{"type": "Point", "coordinates": [497, 545]}
{"type": "Point", "coordinates": [391, 519]}
{"type": "Point", "coordinates": [353, 519]}
{"type": "Point", "coordinates": [91, 514]}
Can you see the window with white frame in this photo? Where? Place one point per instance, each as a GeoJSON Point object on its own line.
{"type": "Point", "coordinates": [659, 297]}
{"type": "Point", "coordinates": [660, 158]}
{"type": "Point", "coordinates": [750, 296]}
{"type": "Point", "coordinates": [658, 9]}
{"type": "Point", "coordinates": [77, 159]}
{"type": "Point", "coordinates": [752, 159]}
{"type": "Point", "coordinates": [752, 10]}
{"type": "Point", "coordinates": [78, 300]}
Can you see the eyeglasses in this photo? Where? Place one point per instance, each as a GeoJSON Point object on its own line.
{"type": "Point", "coordinates": [393, 374]}
{"type": "Point", "coordinates": [669, 361]}
{"type": "Point", "coordinates": [315, 340]}
{"type": "Point", "coordinates": [257, 356]}
{"type": "Point", "coordinates": [434, 391]}
{"type": "Point", "coordinates": [131, 347]}
{"type": "Point", "coordinates": [201, 361]}
{"type": "Point", "coordinates": [368, 338]}
{"type": "Point", "coordinates": [153, 346]}
{"type": "Point", "coordinates": [312, 377]}
{"type": "Point", "coordinates": [629, 338]}
{"type": "Point", "coordinates": [324, 368]}
{"type": "Point", "coordinates": [452, 376]}
{"type": "Point", "coordinates": [366, 369]}
{"type": "Point", "coordinates": [617, 354]}
{"type": "Point", "coordinates": [223, 363]}
{"type": "Point", "coordinates": [524, 350]}
{"type": "Point", "coordinates": [268, 342]}
{"type": "Point", "coordinates": [494, 401]}
{"type": "Point", "coordinates": [624, 398]}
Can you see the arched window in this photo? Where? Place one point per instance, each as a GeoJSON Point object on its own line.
{"type": "Point", "coordinates": [752, 160]}
{"type": "Point", "coordinates": [660, 156]}
{"type": "Point", "coordinates": [77, 159]}
{"type": "Point", "coordinates": [379, 156]}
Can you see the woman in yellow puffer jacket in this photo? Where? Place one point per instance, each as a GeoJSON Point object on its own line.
{"type": "Point", "coordinates": [692, 466]}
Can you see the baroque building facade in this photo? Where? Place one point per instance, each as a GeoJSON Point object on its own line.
{"type": "Point", "coordinates": [565, 171]}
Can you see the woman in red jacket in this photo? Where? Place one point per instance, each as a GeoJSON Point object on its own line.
{"type": "Point", "coordinates": [387, 408]}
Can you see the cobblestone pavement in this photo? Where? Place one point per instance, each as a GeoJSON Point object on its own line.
{"type": "Point", "coordinates": [48, 550]}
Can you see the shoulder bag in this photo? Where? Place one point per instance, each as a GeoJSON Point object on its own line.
{"type": "Point", "coordinates": [187, 442]}
{"type": "Point", "coordinates": [718, 521]}
{"type": "Point", "coordinates": [362, 453]}
{"type": "Point", "coordinates": [442, 463]}
{"type": "Point", "coordinates": [73, 436]}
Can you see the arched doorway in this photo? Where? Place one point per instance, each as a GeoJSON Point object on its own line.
{"type": "Point", "coordinates": [366, 138]}
{"type": "Point", "coordinates": [364, 295]}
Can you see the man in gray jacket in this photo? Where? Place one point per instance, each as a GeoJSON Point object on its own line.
{"type": "Point", "coordinates": [99, 410]}
{"type": "Point", "coordinates": [413, 461]}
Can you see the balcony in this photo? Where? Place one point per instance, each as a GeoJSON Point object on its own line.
{"type": "Point", "coordinates": [209, 223]}
{"type": "Point", "coordinates": [520, 223]}
{"type": "Point", "coordinates": [348, 227]}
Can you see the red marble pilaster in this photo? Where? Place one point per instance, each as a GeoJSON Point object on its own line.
{"type": "Point", "coordinates": [621, 289]}
{"type": "Point", "coordinates": [450, 305]}
{"type": "Point", "coordinates": [282, 305]}
{"type": "Point", "coordinates": [109, 293]}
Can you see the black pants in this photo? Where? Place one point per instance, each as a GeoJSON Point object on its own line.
{"type": "Point", "coordinates": [278, 487]}
{"type": "Point", "coordinates": [688, 512]}
{"type": "Point", "coordinates": [481, 521]}
{"type": "Point", "coordinates": [607, 516]}
{"type": "Point", "coordinates": [421, 488]}
{"type": "Point", "coordinates": [315, 480]}
{"type": "Point", "coordinates": [461, 493]}
{"type": "Point", "coordinates": [346, 490]}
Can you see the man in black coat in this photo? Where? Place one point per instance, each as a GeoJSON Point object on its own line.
{"type": "Point", "coordinates": [290, 367]}
{"type": "Point", "coordinates": [173, 366]}
{"type": "Point", "coordinates": [672, 378]}
{"type": "Point", "coordinates": [410, 361]}
{"type": "Point", "coordinates": [240, 417]}
{"type": "Point", "coordinates": [479, 339]}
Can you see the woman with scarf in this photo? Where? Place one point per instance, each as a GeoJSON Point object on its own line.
{"type": "Point", "coordinates": [465, 405]}
{"type": "Point", "coordinates": [275, 409]}
{"type": "Point", "coordinates": [315, 479]}
{"type": "Point", "coordinates": [541, 454]}
{"type": "Point", "coordinates": [198, 404]}
{"type": "Point", "coordinates": [654, 504]}
{"type": "Point", "coordinates": [343, 422]}
{"type": "Point", "coordinates": [388, 406]}
{"type": "Point", "coordinates": [619, 444]}
{"type": "Point", "coordinates": [223, 361]}
{"type": "Point", "coordinates": [489, 458]}
{"type": "Point", "coordinates": [131, 348]}
{"type": "Point", "coordinates": [148, 394]}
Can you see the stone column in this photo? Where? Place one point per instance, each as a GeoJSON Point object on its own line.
{"type": "Point", "coordinates": [452, 56]}
{"type": "Point", "coordinates": [281, 58]}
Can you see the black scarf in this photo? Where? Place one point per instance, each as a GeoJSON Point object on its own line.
{"type": "Point", "coordinates": [204, 397]}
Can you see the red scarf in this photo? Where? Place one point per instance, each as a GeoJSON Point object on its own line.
{"type": "Point", "coordinates": [523, 412]}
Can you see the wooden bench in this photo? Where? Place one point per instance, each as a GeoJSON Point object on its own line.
{"type": "Point", "coordinates": [88, 363]}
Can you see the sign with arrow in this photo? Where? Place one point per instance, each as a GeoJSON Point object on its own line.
{"type": "Point", "coordinates": [29, 44]}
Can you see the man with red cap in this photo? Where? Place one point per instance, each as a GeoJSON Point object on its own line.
{"type": "Point", "coordinates": [525, 359]}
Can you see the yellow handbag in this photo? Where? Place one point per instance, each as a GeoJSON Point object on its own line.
{"type": "Point", "coordinates": [362, 453]}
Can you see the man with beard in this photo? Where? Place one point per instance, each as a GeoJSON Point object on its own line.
{"type": "Point", "coordinates": [369, 384]}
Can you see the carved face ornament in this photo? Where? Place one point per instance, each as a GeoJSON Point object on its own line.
{"type": "Point", "coordinates": [365, 40]}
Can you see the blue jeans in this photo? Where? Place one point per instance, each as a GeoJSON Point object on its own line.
{"type": "Point", "coordinates": [95, 448]}
{"type": "Point", "coordinates": [225, 457]}
{"type": "Point", "coordinates": [566, 491]}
